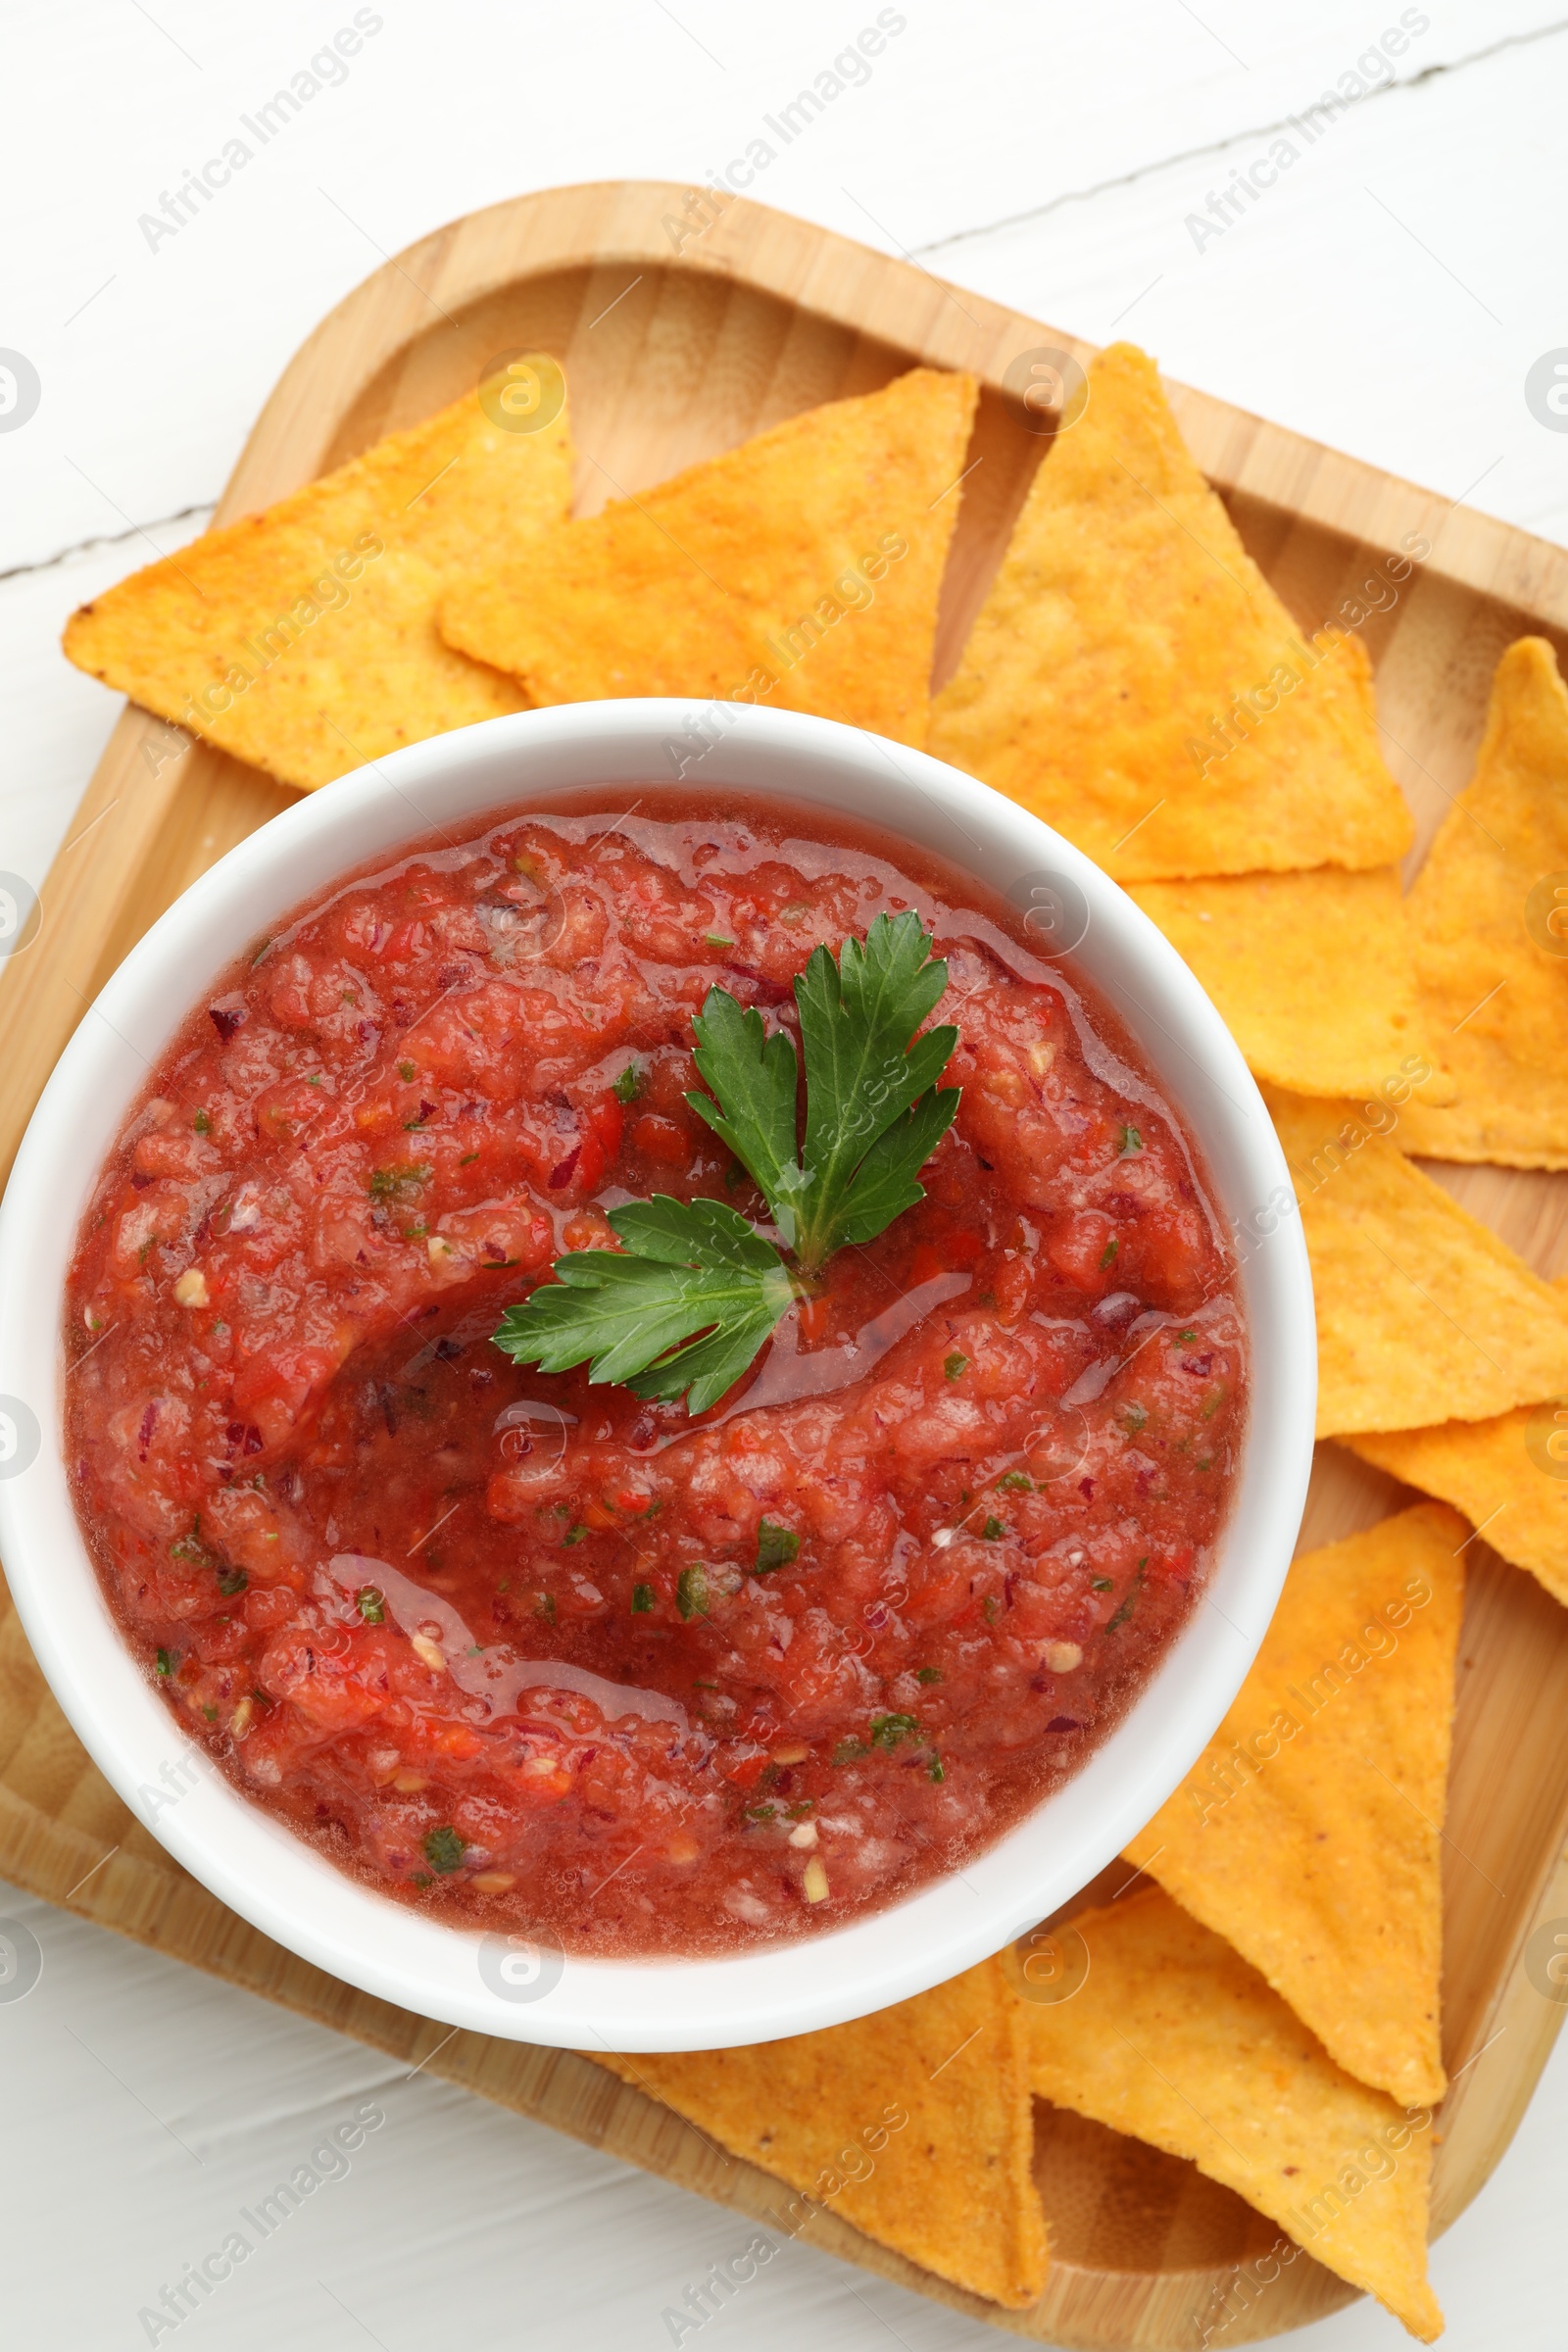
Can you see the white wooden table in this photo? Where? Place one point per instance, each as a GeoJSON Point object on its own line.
{"type": "Point", "coordinates": [1387, 286]}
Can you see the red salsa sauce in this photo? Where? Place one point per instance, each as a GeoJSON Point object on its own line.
{"type": "Point", "coordinates": [531, 1653]}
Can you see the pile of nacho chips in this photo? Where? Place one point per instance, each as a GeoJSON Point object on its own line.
{"type": "Point", "coordinates": [1263, 1996]}
{"type": "Point", "coordinates": [437, 580]}
{"type": "Point", "coordinates": [1177, 2040]}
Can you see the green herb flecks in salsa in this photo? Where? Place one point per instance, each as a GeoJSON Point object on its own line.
{"type": "Point", "coordinates": [691, 1591]}
{"type": "Point", "coordinates": [444, 1851]}
{"type": "Point", "coordinates": [776, 1546]}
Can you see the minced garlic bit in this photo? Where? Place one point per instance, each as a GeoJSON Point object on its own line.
{"type": "Point", "coordinates": [191, 1288]}
{"type": "Point", "coordinates": [1062, 1657]}
{"type": "Point", "coordinates": [814, 1884]}
{"type": "Point", "coordinates": [430, 1652]}
{"type": "Point", "coordinates": [1042, 1053]}
{"type": "Point", "coordinates": [239, 1722]}
{"type": "Point", "coordinates": [804, 1834]}
{"type": "Point", "coordinates": [439, 1250]}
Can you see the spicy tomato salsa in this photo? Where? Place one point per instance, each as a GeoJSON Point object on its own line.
{"type": "Point", "coordinates": [531, 1652]}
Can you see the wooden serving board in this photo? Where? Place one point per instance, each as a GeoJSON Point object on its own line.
{"type": "Point", "coordinates": [683, 328]}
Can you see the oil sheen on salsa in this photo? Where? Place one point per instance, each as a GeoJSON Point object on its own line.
{"type": "Point", "coordinates": [532, 1654]}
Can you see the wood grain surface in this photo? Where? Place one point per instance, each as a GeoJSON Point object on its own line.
{"type": "Point", "coordinates": [672, 358]}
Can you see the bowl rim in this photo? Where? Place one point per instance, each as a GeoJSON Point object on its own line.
{"type": "Point", "coordinates": [507, 1987]}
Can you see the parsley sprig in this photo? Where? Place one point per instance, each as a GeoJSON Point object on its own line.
{"type": "Point", "coordinates": [687, 1301]}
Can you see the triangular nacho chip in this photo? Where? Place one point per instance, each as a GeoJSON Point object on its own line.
{"type": "Point", "coordinates": [1423, 1314]}
{"type": "Point", "coordinates": [915, 2125]}
{"type": "Point", "coordinates": [1135, 680]}
{"type": "Point", "coordinates": [800, 569]}
{"type": "Point", "coordinates": [1312, 973]}
{"type": "Point", "coordinates": [1508, 1476]}
{"type": "Point", "coordinates": [303, 639]}
{"type": "Point", "coordinates": [1175, 2041]}
{"type": "Point", "coordinates": [1309, 1832]}
{"type": "Point", "coordinates": [1490, 913]}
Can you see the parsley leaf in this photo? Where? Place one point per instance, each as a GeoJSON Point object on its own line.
{"type": "Point", "coordinates": [686, 1303]}
{"type": "Point", "coordinates": [754, 1077]}
{"type": "Point", "coordinates": [693, 1277]}
{"type": "Point", "coordinates": [873, 1113]}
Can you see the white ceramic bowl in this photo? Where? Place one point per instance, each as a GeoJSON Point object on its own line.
{"type": "Point", "coordinates": [267, 1875]}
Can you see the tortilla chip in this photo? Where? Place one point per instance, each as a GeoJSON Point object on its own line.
{"type": "Point", "coordinates": [802, 569]}
{"type": "Point", "coordinates": [1312, 973]}
{"type": "Point", "coordinates": [1135, 680]}
{"type": "Point", "coordinates": [1494, 979]}
{"type": "Point", "coordinates": [1175, 2041]}
{"type": "Point", "coordinates": [1499, 1474]}
{"type": "Point", "coordinates": [1309, 1832]}
{"type": "Point", "coordinates": [950, 2185]}
{"type": "Point", "coordinates": [1423, 1314]}
{"type": "Point", "coordinates": [1508, 1476]}
{"type": "Point", "coordinates": [303, 639]}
